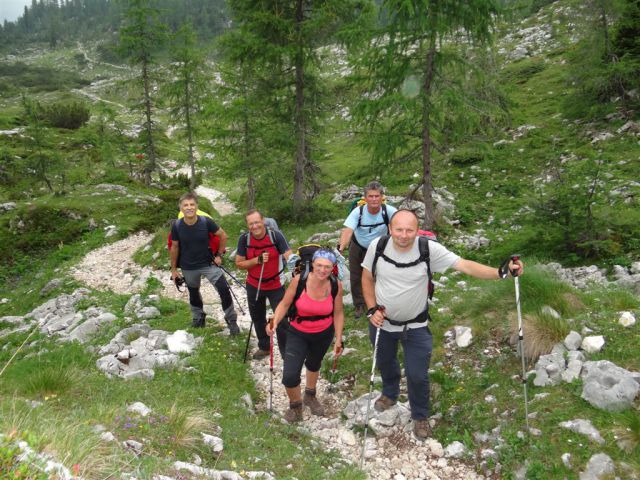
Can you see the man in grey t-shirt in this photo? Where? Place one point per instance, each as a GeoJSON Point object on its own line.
{"type": "Point", "coordinates": [402, 291]}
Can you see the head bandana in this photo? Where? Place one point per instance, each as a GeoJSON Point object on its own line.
{"type": "Point", "coordinates": [327, 254]}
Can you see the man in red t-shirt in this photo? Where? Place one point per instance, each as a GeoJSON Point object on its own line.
{"type": "Point", "coordinates": [261, 246]}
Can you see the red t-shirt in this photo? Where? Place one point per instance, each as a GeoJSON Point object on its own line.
{"type": "Point", "coordinates": [273, 268]}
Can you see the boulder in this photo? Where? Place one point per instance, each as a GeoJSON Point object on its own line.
{"type": "Point", "coordinates": [549, 370]}
{"type": "Point", "coordinates": [583, 427]}
{"type": "Point", "coordinates": [608, 386]}
{"type": "Point", "coordinates": [573, 340]}
{"type": "Point", "coordinates": [600, 466]}
{"type": "Point", "coordinates": [593, 344]}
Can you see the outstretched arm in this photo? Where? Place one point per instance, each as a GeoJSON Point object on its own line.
{"type": "Point", "coordinates": [478, 270]}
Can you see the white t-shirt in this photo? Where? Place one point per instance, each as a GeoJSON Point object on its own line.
{"type": "Point", "coordinates": [404, 291]}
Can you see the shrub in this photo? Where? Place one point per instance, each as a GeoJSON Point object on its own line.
{"type": "Point", "coordinates": [67, 114]}
{"type": "Point", "coordinates": [468, 156]}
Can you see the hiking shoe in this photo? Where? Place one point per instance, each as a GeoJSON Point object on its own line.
{"type": "Point", "coordinates": [260, 354]}
{"type": "Point", "coordinates": [359, 312]}
{"type": "Point", "coordinates": [199, 322]}
{"type": "Point", "coordinates": [383, 403]}
{"type": "Point", "coordinates": [294, 413]}
{"type": "Point", "coordinates": [422, 429]}
{"type": "Point", "coordinates": [311, 401]}
{"type": "Point", "coordinates": [234, 329]}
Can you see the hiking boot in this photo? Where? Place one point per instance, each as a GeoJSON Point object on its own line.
{"type": "Point", "coordinates": [422, 429]}
{"type": "Point", "coordinates": [294, 414]}
{"type": "Point", "coordinates": [199, 322]}
{"type": "Point", "coordinates": [260, 354]}
{"type": "Point", "coordinates": [383, 403]}
{"type": "Point", "coordinates": [311, 401]}
{"type": "Point", "coordinates": [234, 329]}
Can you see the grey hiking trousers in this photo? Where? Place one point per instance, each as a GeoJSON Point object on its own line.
{"type": "Point", "coordinates": [216, 277]}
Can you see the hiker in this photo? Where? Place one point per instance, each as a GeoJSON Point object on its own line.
{"type": "Point", "coordinates": [398, 305]}
{"type": "Point", "coordinates": [362, 226]}
{"type": "Point", "coordinates": [260, 252]}
{"type": "Point", "coordinates": [315, 319]}
{"type": "Point", "coordinates": [190, 251]}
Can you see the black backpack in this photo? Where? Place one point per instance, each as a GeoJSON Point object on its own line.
{"type": "Point", "coordinates": [423, 246]}
{"type": "Point", "coordinates": [303, 266]}
{"type": "Point", "coordinates": [302, 284]}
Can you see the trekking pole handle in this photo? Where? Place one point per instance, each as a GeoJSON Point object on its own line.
{"type": "Point", "coordinates": [514, 258]}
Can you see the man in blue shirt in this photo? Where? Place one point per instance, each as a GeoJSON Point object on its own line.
{"type": "Point", "coordinates": [363, 225]}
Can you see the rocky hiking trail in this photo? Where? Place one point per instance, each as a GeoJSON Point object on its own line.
{"type": "Point", "coordinates": [392, 452]}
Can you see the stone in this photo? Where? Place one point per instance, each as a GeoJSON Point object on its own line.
{"type": "Point", "coordinates": [549, 369]}
{"type": "Point", "coordinates": [627, 319]}
{"type": "Point", "coordinates": [181, 341]}
{"type": "Point", "coordinates": [566, 460]}
{"type": "Point", "coordinates": [146, 313]}
{"type": "Point", "coordinates": [214, 442]}
{"type": "Point", "coordinates": [139, 408]}
{"type": "Point", "coordinates": [134, 446]}
{"type": "Point", "coordinates": [574, 367]}
{"type": "Point", "coordinates": [593, 344]}
{"type": "Point", "coordinates": [51, 285]}
{"type": "Point", "coordinates": [600, 466]}
{"type": "Point", "coordinates": [549, 311]}
{"type": "Point", "coordinates": [463, 336]}
{"type": "Point", "coordinates": [608, 386]}
{"type": "Point", "coordinates": [347, 437]}
{"type": "Point", "coordinates": [573, 340]}
{"type": "Point", "coordinates": [455, 450]}
{"type": "Point", "coordinates": [583, 427]}
{"type": "Point", "coordinates": [107, 437]}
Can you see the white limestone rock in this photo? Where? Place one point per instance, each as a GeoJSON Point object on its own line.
{"type": "Point", "coordinates": [216, 443]}
{"type": "Point", "coordinates": [573, 341]}
{"type": "Point", "coordinates": [600, 466]}
{"type": "Point", "coordinates": [181, 341]}
{"type": "Point", "coordinates": [463, 336]}
{"type": "Point", "coordinates": [455, 450]}
{"type": "Point", "coordinates": [583, 427]}
{"type": "Point", "coordinates": [627, 319]}
{"type": "Point", "coordinates": [593, 344]}
{"type": "Point", "coordinates": [139, 408]}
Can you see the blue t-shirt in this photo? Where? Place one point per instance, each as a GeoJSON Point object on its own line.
{"type": "Point", "coordinates": [367, 232]}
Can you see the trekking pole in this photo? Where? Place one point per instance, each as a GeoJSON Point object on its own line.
{"type": "Point", "coordinates": [246, 347]}
{"type": "Point", "coordinates": [366, 421]}
{"type": "Point", "coordinates": [514, 274]}
{"type": "Point", "coordinates": [235, 298]}
{"type": "Point", "coordinates": [271, 365]}
{"type": "Point", "coordinates": [232, 277]}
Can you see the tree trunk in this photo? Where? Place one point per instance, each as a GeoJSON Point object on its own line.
{"type": "Point", "coordinates": [150, 165]}
{"type": "Point", "coordinates": [427, 186]}
{"type": "Point", "coordinates": [605, 31]}
{"type": "Point", "coordinates": [187, 116]}
{"type": "Point", "coordinates": [300, 126]}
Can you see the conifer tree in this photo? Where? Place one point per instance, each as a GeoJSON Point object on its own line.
{"type": "Point", "coordinates": [140, 37]}
{"type": "Point", "coordinates": [414, 73]}
{"type": "Point", "coordinates": [283, 40]}
{"type": "Point", "coordinates": [187, 89]}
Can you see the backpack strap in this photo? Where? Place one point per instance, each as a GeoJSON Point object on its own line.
{"type": "Point", "coordinates": [302, 284]}
{"type": "Point", "coordinates": [385, 218]}
{"type": "Point", "coordinates": [382, 243]}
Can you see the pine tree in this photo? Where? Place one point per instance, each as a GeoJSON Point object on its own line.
{"type": "Point", "coordinates": [187, 90]}
{"type": "Point", "coordinates": [284, 40]}
{"type": "Point", "coordinates": [140, 38]}
{"type": "Point", "coordinates": [414, 72]}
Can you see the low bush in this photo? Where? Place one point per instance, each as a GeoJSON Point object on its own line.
{"type": "Point", "coordinates": [69, 114]}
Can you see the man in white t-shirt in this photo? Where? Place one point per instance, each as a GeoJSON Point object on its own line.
{"type": "Point", "coordinates": [397, 299]}
{"type": "Point", "coordinates": [364, 224]}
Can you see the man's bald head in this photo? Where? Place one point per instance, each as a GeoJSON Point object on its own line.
{"type": "Point", "coordinates": [405, 215]}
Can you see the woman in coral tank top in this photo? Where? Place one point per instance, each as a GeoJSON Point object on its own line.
{"type": "Point", "coordinates": [314, 307]}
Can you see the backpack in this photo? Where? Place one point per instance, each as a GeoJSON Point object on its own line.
{"type": "Point", "coordinates": [214, 240]}
{"type": "Point", "coordinates": [303, 265]}
{"type": "Point", "coordinates": [302, 284]}
{"type": "Point", "coordinates": [424, 237]}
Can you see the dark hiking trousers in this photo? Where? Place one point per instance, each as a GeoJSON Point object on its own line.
{"type": "Point", "coordinates": [416, 344]}
{"type": "Point", "coordinates": [304, 348]}
{"type": "Point", "coordinates": [214, 274]}
{"type": "Point", "coordinates": [356, 257]}
{"type": "Point", "coordinates": [258, 312]}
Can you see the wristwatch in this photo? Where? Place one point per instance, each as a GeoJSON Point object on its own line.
{"type": "Point", "coordinates": [371, 312]}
